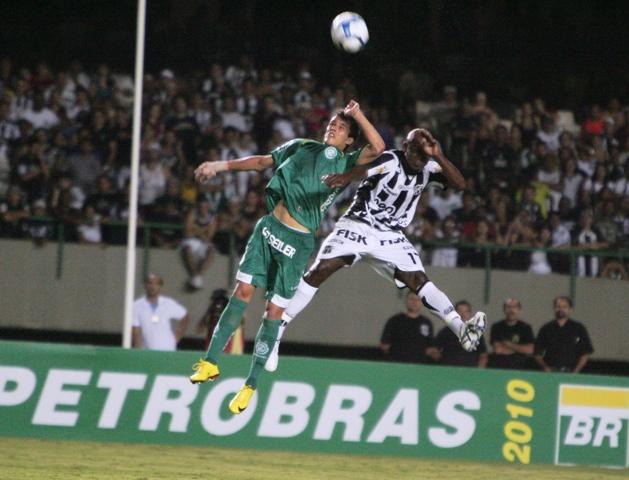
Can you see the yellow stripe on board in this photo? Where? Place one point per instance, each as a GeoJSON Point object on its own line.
{"type": "Point", "coordinates": [594, 397]}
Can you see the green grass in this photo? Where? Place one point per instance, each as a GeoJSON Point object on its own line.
{"type": "Point", "coordinates": [22, 459]}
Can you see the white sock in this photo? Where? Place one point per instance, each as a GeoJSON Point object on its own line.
{"type": "Point", "coordinates": [437, 302]}
{"type": "Point", "coordinates": [303, 296]}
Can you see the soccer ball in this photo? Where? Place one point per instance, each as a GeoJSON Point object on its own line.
{"type": "Point", "coordinates": [349, 32]}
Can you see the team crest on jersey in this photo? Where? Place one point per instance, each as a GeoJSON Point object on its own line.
{"type": "Point", "coordinates": [330, 152]}
{"type": "Point", "coordinates": [418, 189]}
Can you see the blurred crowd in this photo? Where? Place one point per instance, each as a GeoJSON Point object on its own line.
{"type": "Point", "coordinates": [536, 177]}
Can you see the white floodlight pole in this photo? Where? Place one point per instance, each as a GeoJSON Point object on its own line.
{"type": "Point", "coordinates": [135, 167]}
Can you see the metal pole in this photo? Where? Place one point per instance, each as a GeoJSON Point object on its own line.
{"type": "Point", "coordinates": [573, 277]}
{"type": "Point", "coordinates": [60, 244]}
{"type": "Point", "coordinates": [487, 273]}
{"type": "Point", "coordinates": [135, 162]}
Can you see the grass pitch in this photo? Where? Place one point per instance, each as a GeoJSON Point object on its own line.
{"type": "Point", "coordinates": [22, 459]}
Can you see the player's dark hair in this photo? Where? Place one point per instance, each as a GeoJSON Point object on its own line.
{"type": "Point", "coordinates": [354, 130]}
{"type": "Point", "coordinates": [562, 297]}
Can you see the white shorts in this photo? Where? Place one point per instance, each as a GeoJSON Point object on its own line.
{"type": "Point", "coordinates": [197, 247]}
{"type": "Point", "coordinates": [383, 251]}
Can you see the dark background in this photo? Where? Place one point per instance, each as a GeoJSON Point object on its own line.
{"type": "Point", "coordinates": [569, 52]}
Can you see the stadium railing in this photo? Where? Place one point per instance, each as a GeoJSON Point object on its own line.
{"type": "Point", "coordinates": [492, 255]}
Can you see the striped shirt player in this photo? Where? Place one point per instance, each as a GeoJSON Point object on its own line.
{"type": "Point", "coordinates": [373, 230]}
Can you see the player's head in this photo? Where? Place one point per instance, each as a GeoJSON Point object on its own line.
{"type": "Point", "coordinates": [562, 306]}
{"type": "Point", "coordinates": [512, 308]}
{"type": "Point", "coordinates": [464, 309]}
{"type": "Point", "coordinates": [413, 147]}
{"type": "Point", "coordinates": [341, 132]}
{"type": "Point", "coordinates": [153, 285]}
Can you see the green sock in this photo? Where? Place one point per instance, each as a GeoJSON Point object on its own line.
{"type": "Point", "coordinates": [265, 341]}
{"type": "Point", "coordinates": [226, 326]}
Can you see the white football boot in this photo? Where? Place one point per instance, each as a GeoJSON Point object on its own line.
{"type": "Point", "coordinates": [472, 331]}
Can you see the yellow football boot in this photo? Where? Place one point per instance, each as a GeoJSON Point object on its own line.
{"type": "Point", "coordinates": [204, 371]}
{"type": "Point", "coordinates": [241, 400]}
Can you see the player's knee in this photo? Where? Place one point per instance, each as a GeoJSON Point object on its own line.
{"type": "Point", "coordinates": [273, 312]}
{"type": "Point", "coordinates": [413, 280]}
{"type": "Point", "coordinates": [244, 291]}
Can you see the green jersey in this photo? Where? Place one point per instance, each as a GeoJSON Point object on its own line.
{"type": "Point", "coordinates": [300, 166]}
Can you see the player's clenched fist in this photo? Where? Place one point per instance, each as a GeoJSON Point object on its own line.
{"type": "Point", "coordinates": [352, 108]}
{"type": "Point", "coordinates": [207, 170]}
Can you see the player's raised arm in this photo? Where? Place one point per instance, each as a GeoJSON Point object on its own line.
{"type": "Point", "coordinates": [207, 170]}
{"type": "Point", "coordinates": [375, 144]}
{"type": "Point", "coordinates": [432, 148]}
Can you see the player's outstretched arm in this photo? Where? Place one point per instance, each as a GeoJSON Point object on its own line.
{"type": "Point", "coordinates": [341, 180]}
{"type": "Point", "coordinates": [375, 143]}
{"type": "Point", "coordinates": [207, 170]}
{"type": "Point", "coordinates": [432, 148]}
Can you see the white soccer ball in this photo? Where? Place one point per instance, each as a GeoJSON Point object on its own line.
{"type": "Point", "coordinates": [349, 32]}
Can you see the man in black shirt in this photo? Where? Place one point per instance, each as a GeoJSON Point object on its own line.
{"type": "Point", "coordinates": [563, 344]}
{"type": "Point", "coordinates": [511, 338]}
{"type": "Point", "coordinates": [449, 346]}
{"type": "Point", "coordinates": [408, 337]}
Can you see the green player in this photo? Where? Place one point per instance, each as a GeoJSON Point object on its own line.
{"type": "Point", "coordinates": [279, 247]}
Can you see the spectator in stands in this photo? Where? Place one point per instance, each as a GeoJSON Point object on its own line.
{"type": "Point", "coordinates": [571, 181]}
{"type": "Point", "coordinates": [90, 227]}
{"type": "Point", "coordinates": [445, 256]}
{"type": "Point", "coordinates": [511, 338]}
{"type": "Point", "coordinates": [539, 258]}
{"type": "Point", "coordinates": [587, 236]}
{"type": "Point", "coordinates": [563, 344]}
{"type": "Point", "coordinates": [152, 180]}
{"type": "Point", "coordinates": [549, 134]}
{"type": "Point", "coordinates": [36, 227]}
{"type": "Point", "coordinates": [449, 346]}
{"type": "Point", "coordinates": [84, 167]}
{"type": "Point", "coordinates": [30, 172]}
{"type": "Point", "coordinates": [408, 337]}
{"type": "Point", "coordinates": [13, 211]}
{"type": "Point", "coordinates": [154, 318]}
{"type": "Point", "coordinates": [499, 158]}
{"type": "Point", "coordinates": [39, 115]}
{"type": "Point", "coordinates": [196, 247]}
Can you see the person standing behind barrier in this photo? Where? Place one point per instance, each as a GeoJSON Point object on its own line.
{"type": "Point", "coordinates": [408, 337]}
{"type": "Point", "coordinates": [511, 338]}
{"type": "Point", "coordinates": [153, 315]}
{"type": "Point", "coordinates": [449, 346]}
{"type": "Point", "coordinates": [563, 344]}
{"type": "Point", "coordinates": [207, 323]}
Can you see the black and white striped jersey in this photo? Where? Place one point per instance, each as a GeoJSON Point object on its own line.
{"type": "Point", "coordinates": [388, 197]}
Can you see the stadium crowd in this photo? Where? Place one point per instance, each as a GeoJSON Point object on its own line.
{"type": "Point", "coordinates": [536, 177]}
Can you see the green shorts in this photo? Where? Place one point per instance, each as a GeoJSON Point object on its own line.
{"type": "Point", "coordinates": [275, 259]}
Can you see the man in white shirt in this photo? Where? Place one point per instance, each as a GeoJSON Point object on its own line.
{"type": "Point", "coordinates": [153, 315]}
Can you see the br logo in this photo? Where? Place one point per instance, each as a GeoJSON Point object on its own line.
{"type": "Point", "coordinates": [592, 426]}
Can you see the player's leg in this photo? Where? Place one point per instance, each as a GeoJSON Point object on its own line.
{"type": "Point", "coordinates": [306, 290]}
{"type": "Point", "coordinates": [438, 302]}
{"type": "Point", "coordinates": [252, 273]}
{"type": "Point", "coordinates": [290, 251]}
{"type": "Point", "coordinates": [393, 248]}
{"type": "Point", "coordinates": [341, 248]}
